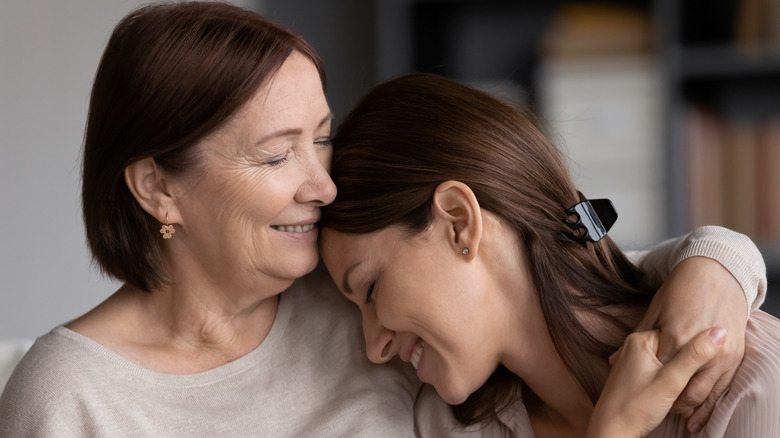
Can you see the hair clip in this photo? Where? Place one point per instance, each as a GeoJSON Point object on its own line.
{"type": "Point", "coordinates": [594, 218]}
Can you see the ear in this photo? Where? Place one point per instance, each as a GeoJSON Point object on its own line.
{"type": "Point", "coordinates": [147, 184]}
{"type": "Point", "coordinates": [456, 204]}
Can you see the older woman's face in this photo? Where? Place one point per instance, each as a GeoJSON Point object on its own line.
{"type": "Point", "coordinates": [251, 220]}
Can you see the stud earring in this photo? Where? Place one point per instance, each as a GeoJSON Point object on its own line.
{"type": "Point", "coordinates": [465, 251]}
{"type": "Point", "coordinates": [167, 230]}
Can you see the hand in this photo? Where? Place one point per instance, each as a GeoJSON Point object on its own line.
{"type": "Point", "coordinates": [640, 390]}
{"type": "Point", "coordinates": [700, 293]}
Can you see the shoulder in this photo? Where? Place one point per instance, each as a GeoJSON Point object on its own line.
{"type": "Point", "coordinates": [319, 301]}
{"type": "Point", "coordinates": [44, 381]}
{"type": "Point", "coordinates": [751, 407]}
{"type": "Point", "coordinates": [433, 418]}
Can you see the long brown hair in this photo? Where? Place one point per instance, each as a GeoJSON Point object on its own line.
{"type": "Point", "coordinates": [170, 75]}
{"type": "Point", "coordinates": [410, 134]}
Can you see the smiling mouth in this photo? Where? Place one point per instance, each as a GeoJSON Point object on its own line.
{"type": "Point", "coordinates": [294, 228]}
{"type": "Point", "coordinates": [418, 350]}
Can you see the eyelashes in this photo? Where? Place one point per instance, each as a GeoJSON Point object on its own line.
{"type": "Point", "coordinates": [277, 161]}
{"type": "Point", "coordinates": [324, 142]}
{"type": "Point", "coordinates": [370, 293]}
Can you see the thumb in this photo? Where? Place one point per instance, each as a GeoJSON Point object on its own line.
{"type": "Point", "coordinates": [697, 352]}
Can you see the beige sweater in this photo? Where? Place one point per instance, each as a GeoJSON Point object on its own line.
{"type": "Point", "coordinates": [310, 377]}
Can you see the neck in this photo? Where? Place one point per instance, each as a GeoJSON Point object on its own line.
{"type": "Point", "coordinates": [209, 319]}
{"type": "Point", "coordinates": [558, 404]}
{"type": "Point", "coordinates": [211, 310]}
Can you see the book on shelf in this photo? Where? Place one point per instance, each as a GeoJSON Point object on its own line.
{"type": "Point", "coordinates": [703, 134]}
{"type": "Point", "coordinates": [768, 193]}
{"type": "Point", "coordinates": [748, 24]}
{"type": "Point", "coordinates": [734, 173]}
{"type": "Point", "coordinates": [751, 27]}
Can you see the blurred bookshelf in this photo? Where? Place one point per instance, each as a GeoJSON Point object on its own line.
{"type": "Point", "coordinates": [682, 99]}
{"type": "Point", "coordinates": [721, 66]}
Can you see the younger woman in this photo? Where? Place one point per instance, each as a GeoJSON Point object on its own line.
{"type": "Point", "coordinates": [459, 233]}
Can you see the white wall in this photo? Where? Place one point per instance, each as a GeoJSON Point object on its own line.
{"type": "Point", "coordinates": [606, 116]}
{"type": "Point", "coordinates": [49, 50]}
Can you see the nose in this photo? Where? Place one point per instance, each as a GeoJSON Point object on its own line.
{"type": "Point", "coordinates": [379, 340]}
{"type": "Point", "coordinates": [319, 187]}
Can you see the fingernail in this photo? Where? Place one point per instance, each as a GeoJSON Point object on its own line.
{"type": "Point", "coordinates": [718, 335]}
{"type": "Point", "coordinates": [694, 427]}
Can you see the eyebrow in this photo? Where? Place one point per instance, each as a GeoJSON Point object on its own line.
{"type": "Point", "coordinates": [345, 281]}
{"type": "Point", "coordinates": [294, 131]}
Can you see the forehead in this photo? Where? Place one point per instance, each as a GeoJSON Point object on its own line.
{"type": "Point", "coordinates": [337, 245]}
{"type": "Point", "coordinates": [291, 99]}
{"type": "Point", "coordinates": [293, 91]}
{"type": "Point", "coordinates": [340, 250]}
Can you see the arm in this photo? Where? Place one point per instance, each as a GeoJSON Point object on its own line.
{"type": "Point", "coordinates": [735, 252]}
{"type": "Point", "coordinates": [722, 275]}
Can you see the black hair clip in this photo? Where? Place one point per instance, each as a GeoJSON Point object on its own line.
{"type": "Point", "coordinates": [594, 218]}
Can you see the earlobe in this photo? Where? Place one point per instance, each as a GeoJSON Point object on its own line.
{"type": "Point", "coordinates": [456, 205]}
{"type": "Point", "coordinates": [146, 183]}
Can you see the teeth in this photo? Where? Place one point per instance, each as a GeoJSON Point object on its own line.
{"type": "Point", "coordinates": [415, 359]}
{"type": "Point", "coordinates": [293, 228]}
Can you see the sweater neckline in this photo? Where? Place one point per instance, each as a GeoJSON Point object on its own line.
{"type": "Point", "coordinates": [270, 344]}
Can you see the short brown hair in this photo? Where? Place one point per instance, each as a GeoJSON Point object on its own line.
{"type": "Point", "coordinates": [413, 133]}
{"type": "Point", "coordinates": [170, 75]}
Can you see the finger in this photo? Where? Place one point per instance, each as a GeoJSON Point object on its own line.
{"type": "Point", "coordinates": [700, 350]}
{"type": "Point", "coordinates": [668, 346]}
{"type": "Point", "coordinates": [703, 413]}
{"type": "Point", "coordinates": [697, 390]}
{"type": "Point", "coordinates": [615, 356]}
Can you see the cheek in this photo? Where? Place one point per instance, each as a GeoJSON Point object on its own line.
{"type": "Point", "coordinates": [254, 195]}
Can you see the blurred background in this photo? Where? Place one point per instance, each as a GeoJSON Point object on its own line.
{"type": "Point", "coordinates": [670, 108]}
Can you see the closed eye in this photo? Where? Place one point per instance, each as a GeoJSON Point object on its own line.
{"type": "Point", "coordinates": [370, 293]}
{"type": "Point", "coordinates": [277, 161]}
{"type": "Point", "coordinates": [324, 142]}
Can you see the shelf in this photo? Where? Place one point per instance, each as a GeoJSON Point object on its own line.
{"type": "Point", "coordinates": [732, 62]}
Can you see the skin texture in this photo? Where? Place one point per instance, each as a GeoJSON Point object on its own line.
{"type": "Point", "coordinates": [236, 246]}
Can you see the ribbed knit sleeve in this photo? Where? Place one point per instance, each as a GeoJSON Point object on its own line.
{"type": "Point", "coordinates": [751, 406]}
{"type": "Point", "coordinates": [735, 251]}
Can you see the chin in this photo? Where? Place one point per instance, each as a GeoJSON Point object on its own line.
{"type": "Point", "coordinates": [306, 263]}
{"type": "Point", "coordinates": [452, 396]}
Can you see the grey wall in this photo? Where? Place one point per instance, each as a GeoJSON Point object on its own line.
{"type": "Point", "coordinates": [49, 50]}
{"type": "Point", "coordinates": [343, 33]}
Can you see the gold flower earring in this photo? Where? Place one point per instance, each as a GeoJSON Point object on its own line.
{"type": "Point", "coordinates": [167, 230]}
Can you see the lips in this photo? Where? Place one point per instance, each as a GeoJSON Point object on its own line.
{"type": "Point", "coordinates": [294, 228]}
{"type": "Point", "coordinates": [417, 353]}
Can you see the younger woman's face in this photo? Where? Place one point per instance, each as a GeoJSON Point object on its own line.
{"type": "Point", "coordinates": [422, 301]}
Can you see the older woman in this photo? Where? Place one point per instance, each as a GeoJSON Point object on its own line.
{"type": "Point", "coordinates": [205, 168]}
{"type": "Point", "coordinates": [461, 237]}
